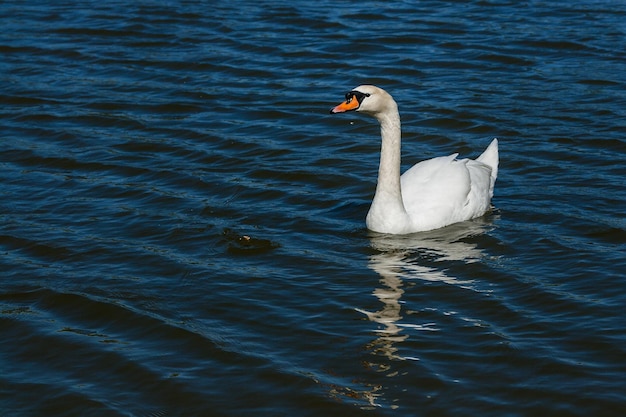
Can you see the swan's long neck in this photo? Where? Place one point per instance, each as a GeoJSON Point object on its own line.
{"type": "Point", "coordinates": [390, 150]}
{"type": "Point", "coordinates": [387, 211]}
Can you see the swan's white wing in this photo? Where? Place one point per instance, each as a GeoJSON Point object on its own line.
{"type": "Point", "coordinates": [444, 190]}
{"type": "Point", "coordinates": [481, 190]}
{"type": "Point", "coordinates": [491, 158]}
{"type": "Point", "coordinates": [435, 192]}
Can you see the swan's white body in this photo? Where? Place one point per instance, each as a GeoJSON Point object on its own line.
{"type": "Point", "coordinates": [433, 193]}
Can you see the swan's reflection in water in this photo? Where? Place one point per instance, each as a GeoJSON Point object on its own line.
{"type": "Point", "coordinates": [403, 258]}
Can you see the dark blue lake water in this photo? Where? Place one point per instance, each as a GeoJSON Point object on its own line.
{"type": "Point", "coordinates": [182, 222]}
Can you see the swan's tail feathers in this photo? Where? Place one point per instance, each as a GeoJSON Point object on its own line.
{"type": "Point", "coordinates": [490, 158]}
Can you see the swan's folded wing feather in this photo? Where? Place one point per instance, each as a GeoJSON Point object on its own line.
{"type": "Point", "coordinates": [491, 158]}
{"type": "Point", "coordinates": [436, 189]}
{"type": "Point", "coordinates": [481, 187]}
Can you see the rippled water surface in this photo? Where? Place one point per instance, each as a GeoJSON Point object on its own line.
{"type": "Point", "coordinates": [182, 222]}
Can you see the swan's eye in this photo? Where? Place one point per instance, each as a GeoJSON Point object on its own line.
{"type": "Point", "coordinates": [356, 95]}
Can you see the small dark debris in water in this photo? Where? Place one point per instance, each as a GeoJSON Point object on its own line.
{"type": "Point", "coordinates": [247, 245]}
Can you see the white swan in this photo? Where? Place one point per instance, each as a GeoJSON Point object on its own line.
{"type": "Point", "coordinates": [431, 194]}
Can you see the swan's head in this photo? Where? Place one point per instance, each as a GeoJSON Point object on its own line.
{"type": "Point", "coordinates": [367, 99]}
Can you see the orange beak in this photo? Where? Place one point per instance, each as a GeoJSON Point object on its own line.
{"type": "Point", "coordinates": [350, 104]}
